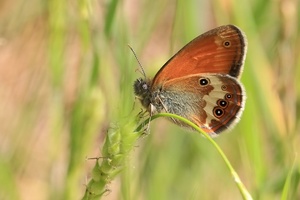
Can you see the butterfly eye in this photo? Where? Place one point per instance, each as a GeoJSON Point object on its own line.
{"type": "Point", "coordinates": [218, 112]}
{"type": "Point", "coordinates": [222, 103]}
{"type": "Point", "coordinates": [204, 81]}
{"type": "Point", "coordinates": [228, 96]}
{"type": "Point", "coordinates": [226, 44]}
{"type": "Point", "coordinates": [145, 86]}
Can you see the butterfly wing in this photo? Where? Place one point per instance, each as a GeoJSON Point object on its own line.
{"type": "Point", "coordinates": [214, 102]}
{"type": "Point", "coordinates": [221, 50]}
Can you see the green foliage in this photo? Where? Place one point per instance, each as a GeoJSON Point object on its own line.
{"type": "Point", "coordinates": [117, 146]}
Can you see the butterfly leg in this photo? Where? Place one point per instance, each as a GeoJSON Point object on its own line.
{"type": "Point", "coordinates": [166, 109]}
{"type": "Point", "coordinates": [146, 130]}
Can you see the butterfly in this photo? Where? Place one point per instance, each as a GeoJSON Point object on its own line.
{"type": "Point", "coordinates": [201, 81]}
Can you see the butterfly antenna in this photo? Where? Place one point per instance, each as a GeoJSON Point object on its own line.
{"type": "Point", "coordinates": [141, 67]}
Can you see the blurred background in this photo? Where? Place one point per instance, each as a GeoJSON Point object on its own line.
{"type": "Point", "coordinates": [66, 77]}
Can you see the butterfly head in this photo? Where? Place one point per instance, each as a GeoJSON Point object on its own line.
{"type": "Point", "coordinates": [142, 91]}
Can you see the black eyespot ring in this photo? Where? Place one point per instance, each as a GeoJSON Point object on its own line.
{"type": "Point", "coordinates": [218, 112]}
{"type": "Point", "coordinates": [222, 103]}
{"type": "Point", "coordinates": [228, 96]}
{"type": "Point", "coordinates": [224, 87]}
{"type": "Point", "coordinates": [204, 81]}
{"type": "Point", "coordinates": [226, 44]}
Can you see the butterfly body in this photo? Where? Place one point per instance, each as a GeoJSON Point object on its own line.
{"type": "Point", "coordinates": [200, 82]}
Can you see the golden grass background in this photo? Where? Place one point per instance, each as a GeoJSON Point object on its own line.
{"type": "Point", "coordinates": [66, 76]}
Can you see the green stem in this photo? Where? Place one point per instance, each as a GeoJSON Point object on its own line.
{"type": "Point", "coordinates": [118, 144]}
{"type": "Point", "coordinates": [245, 194]}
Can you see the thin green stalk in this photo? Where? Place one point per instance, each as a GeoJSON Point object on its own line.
{"type": "Point", "coordinates": [117, 147]}
{"type": "Point", "coordinates": [288, 182]}
{"type": "Point", "coordinates": [244, 192]}
{"type": "Point", "coordinates": [118, 144]}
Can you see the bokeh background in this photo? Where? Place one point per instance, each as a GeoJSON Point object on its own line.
{"type": "Point", "coordinates": [66, 76]}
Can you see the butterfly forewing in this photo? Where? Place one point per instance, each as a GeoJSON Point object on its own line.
{"type": "Point", "coordinates": [221, 50]}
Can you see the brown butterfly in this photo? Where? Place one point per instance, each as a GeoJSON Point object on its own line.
{"type": "Point", "coordinates": [200, 82]}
